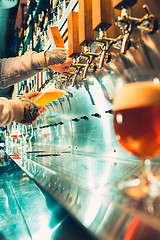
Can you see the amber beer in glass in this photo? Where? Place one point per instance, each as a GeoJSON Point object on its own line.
{"type": "Point", "coordinates": [48, 95]}
{"type": "Point", "coordinates": [136, 120]}
{"type": "Point", "coordinates": [15, 136]}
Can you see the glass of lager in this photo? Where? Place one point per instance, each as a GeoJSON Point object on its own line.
{"type": "Point", "coordinates": [48, 94]}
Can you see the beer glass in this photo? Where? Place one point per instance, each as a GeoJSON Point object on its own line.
{"type": "Point", "coordinates": [136, 121]}
{"type": "Point", "coordinates": [48, 94]}
{"type": "Point", "coordinates": [14, 134]}
{"type": "Point", "coordinates": [24, 137]}
{"type": "Point", "coordinates": [30, 135]}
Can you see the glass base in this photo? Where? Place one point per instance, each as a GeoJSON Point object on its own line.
{"type": "Point", "coordinates": [141, 188]}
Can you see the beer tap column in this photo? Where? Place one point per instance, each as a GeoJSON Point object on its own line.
{"type": "Point", "coordinates": [78, 67]}
{"type": "Point", "coordinates": [90, 58]}
{"type": "Point", "coordinates": [86, 33]}
{"type": "Point", "coordinates": [74, 49]}
{"type": "Point", "coordinates": [127, 23]}
{"type": "Point", "coordinates": [101, 21]}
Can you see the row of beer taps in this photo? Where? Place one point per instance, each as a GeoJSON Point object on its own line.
{"type": "Point", "coordinates": [90, 61]}
{"type": "Point", "coordinates": [85, 62]}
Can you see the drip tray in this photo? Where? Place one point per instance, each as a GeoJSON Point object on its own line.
{"type": "Point", "coordinates": [45, 154]}
{"type": "Point", "coordinates": [48, 154]}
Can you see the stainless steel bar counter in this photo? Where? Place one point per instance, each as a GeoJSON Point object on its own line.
{"type": "Point", "coordinates": [85, 187]}
{"type": "Point", "coordinates": [73, 153]}
{"type": "Point", "coordinates": [29, 212]}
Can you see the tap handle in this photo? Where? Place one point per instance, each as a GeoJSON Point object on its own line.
{"type": "Point", "coordinates": [146, 8]}
{"type": "Point", "coordinates": [73, 34]}
{"type": "Point", "coordinates": [119, 4]}
{"type": "Point", "coordinates": [55, 37]}
{"type": "Point", "coordinates": [86, 33]}
{"type": "Point", "coordinates": [101, 14]}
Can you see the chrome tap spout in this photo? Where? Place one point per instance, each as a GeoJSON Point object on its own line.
{"type": "Point", "coordinates": [90, 57]}
{"type": "Point", "coordinates": [78, 67]}
{"type": "Point", "coordinates": [105, 45]}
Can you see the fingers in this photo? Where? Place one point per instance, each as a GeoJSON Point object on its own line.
{"type": "Point", "coordinates": [61, 68]}
{"type": "Point", "coordinates": [65, 69]}
{"type": "Point", "coordinates": [31, 94]}
{"type": "Point", "coordinates": [41, 109]}
{"type": "Point", "coordinates": [57, 59]}
{"type": "Point", "coordinates": [68, 62]}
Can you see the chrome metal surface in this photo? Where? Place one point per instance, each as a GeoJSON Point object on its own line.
{"type": "Point", "coordinates": [85, 186]}
{"type": "Point", "coordinates": [28, 212]}
{"type": "Point", "coordinates": [82, 162]}
{"type": "Point", "coordinates": [5, 4]}
{"type": "Point", "coordinates": [131, 50]}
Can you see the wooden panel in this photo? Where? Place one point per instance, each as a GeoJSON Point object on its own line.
{"type": "Point", "coordinates": [41, 78]}
{"type": "Point", "coordinates": [118, 4]}
{"type": "Point", "coordinates": [54, 2]}
{"type": "Point", "coordinates": [101, 14]}
{"type": "Point", "coordinates": [73, 34]}
{"type": "Point", "coordinates": [86, 33]}
{"type": "Point", "coordinates": [55, 37]}
{"type": "Point", "coordinates": [37, 82]}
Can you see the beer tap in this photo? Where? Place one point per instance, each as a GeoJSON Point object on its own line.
{"type": "Point", "coordinates": [86, 33]}
{"type": "Point", "coordinates": [102, 20]}
{"type": "Point", "coordinates": [68, 76]}
{"type": "Point", "coordinates": [127, 23]}
{"type": "Point", "coordinates": [90, 58]}
{"type": "Point", "coordinates": [104, 44]}
{"type": "Point", "coordinates": [74, 49]}
{"type": "Point", "coordinates": [78, 67]}
{"type": "Point", "coordinates": [59, 81]}
{"type": "Point", "coordinates": [148, 23]}
{"type": "Point", "coordinates": [126, 29]}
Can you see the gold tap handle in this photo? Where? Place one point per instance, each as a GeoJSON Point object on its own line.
{"type": "Point", "coordinates": [119, 4]}
{"type": "Point", "coordinates": [55, 38]}
{"type": "Point", "coordinates": [73, 34]}
{"type": "Point", "coordinates": [101, 14]}
{"type": "Point", "coordinates": [86, 33]}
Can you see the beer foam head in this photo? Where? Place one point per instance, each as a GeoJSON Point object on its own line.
{"type": "Point", "coordinates": [52, 89]}
{"type": "Point", "coordinates": [137, 94]}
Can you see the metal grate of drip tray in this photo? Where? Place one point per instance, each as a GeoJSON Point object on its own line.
{"type": "Point", "coordinates": [47, 154]}
{"type": "Point", "coordinates": [51, 154]}
{"type": "Point", "coordinates": [85, 186]}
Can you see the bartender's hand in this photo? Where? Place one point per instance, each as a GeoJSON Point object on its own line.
{"type": "Point", "coordinates": [32, 111]}
{"type": "Point", "coordinates": [58, 60]}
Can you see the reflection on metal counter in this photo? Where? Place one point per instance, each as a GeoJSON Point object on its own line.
{"type": "Point", "coordinates": [29, 212]}
{"type": "Point", "coordinates": [72, 151]}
